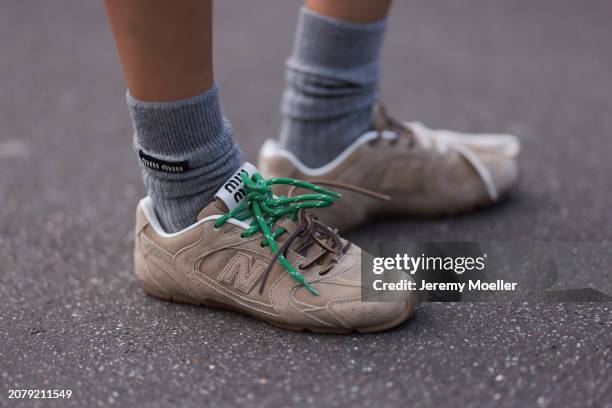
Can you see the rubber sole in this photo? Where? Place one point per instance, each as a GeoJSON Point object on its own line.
{"type": "Point", "coordinates": [410, 310]}
{"type": "Point", "coordinates": [420, 215]}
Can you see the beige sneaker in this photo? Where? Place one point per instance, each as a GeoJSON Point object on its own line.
{"type": "Point", "coordinates": [222, 260]}
{"type": "Point", "coordinates": [424, 172]}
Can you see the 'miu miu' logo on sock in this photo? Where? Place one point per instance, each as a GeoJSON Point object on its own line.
{"type": "Point", "coordinates": [234, 186]}
{"type": "Point", "coordinates": [154, 163]}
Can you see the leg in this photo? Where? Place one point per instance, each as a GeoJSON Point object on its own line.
{"type": "Point", "coordinates": [185, 144]}
{"type": "Point", "coordinates": [165, 51]}
{"type": "Point", "coordinates": [355, 11]}
{"type": "Point", "coordinates": [186, 148]}
{"type": "Point", "coordinates": [332, 77]}
{"type": "Point", "coordinates": [332, 86]}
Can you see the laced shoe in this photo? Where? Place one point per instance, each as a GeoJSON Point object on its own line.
{"type": "Point", "coordinates": [264, 256]}
{"type": "Point", "coordinates": [423, 172]}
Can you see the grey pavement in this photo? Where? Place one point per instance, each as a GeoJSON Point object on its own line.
{"type": "Point", "coordinates": [73, 316]}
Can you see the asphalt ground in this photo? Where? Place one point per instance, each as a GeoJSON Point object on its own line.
{"type": "Point", "coordinates": [73, 317]}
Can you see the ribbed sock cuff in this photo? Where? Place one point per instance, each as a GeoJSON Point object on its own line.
{"type": "Point", "coordinates": [192, 128]}
{"type": "Point", "coordinates": [326, 46]}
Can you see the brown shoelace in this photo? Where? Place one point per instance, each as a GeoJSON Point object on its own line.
{"type": "Point", "coordinates": [382, 121]}
{"type": "Point", "coordinates": [314, 232]}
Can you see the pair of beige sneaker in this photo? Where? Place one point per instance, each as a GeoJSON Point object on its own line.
{"type": "Point", "coordinates": [263, 246]}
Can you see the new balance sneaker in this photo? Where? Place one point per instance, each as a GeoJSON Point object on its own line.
{"type": "Point", "coordinates": [265, 256]}
{"type": "Point", "coordinates": [424, 172]}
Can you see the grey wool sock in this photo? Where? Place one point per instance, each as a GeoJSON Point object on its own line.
{"type": "Point", "coordinates": [186, 150]}
{"type": "Point", "coordinates": [332, 83]}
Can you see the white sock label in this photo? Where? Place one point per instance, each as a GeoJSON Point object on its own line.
{"type": "Point", "coordinates": [232, 192]}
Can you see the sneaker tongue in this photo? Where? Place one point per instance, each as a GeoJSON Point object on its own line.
{"type": "Point", "coordinates": [231, 193]}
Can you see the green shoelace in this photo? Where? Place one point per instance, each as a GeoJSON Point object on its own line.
{"type": "Point", "coordinates": [266, 209]}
